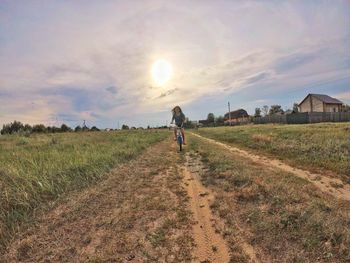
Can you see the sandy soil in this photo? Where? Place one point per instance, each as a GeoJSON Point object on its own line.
{"type": "Point", "coordinates": [332, 186]}
{"type": "Point", "coordinates": [210, 227]}
{"type": "Point", "coordinates": [210, 245]}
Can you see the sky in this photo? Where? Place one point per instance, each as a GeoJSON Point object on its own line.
{"type": "Point", "coordinates": [67, 61]}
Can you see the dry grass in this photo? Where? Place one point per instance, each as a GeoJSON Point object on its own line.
{"type": "Point", "coordinates": [36, 170]}
{"type": "Point", "coordinates": [262, 138]}
{"type": "Point", "coordinates": [138, 213]}
{"type": "Point", "coordinates": [312, 146]}
{"type": "Point", "coordinates": [285, 218]}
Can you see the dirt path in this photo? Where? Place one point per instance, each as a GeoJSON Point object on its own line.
{"type": "Point", "coordinates": [210, 227]}
{"type": "Point", "coordinates": [139, 213]}
{"type": "Point", "coordinates": [332, 186]}
{"type": "Point", "coordinates": [210, 246]}
{"type": "Point", "coordinates": [143, 211]}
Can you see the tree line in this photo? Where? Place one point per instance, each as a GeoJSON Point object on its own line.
{"type": "Point", "coordinates": [274, 109]}
{"type": "Point", "coordinates": [18, 127]}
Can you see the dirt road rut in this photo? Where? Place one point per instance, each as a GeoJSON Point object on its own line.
{"type": "Point", "coordinates": [332, 186]}
{"type": "Point", "coordinates": [210, 246]}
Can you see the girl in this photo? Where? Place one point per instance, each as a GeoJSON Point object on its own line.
{"type": "Point", "coordinates": [179, 118]}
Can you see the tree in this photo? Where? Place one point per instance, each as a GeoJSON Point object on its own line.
{"type": "Point", "coordinates": [265, 110]}
{"type": "Point", "coordinates": [39, 128]}
{"type": "Point", "coordinates": [5, 129]}
{"type": "Point", "coordinates": [274, 109]}
{"type": "Point", "coordinates": [125, 127]}
{"type": "Point", "coordinates": [219, 120]}
{"type": "Point", "coordinates": [13, 127]}
{"type": "Point", "coordinates": [53, 129]}
{"type": "Point", "coordinates": [257, 113]}
{"type": "Point", "coordinates": [211, 118]}
{"type": "Point", "coordinates": [346, 108]}
{"type": "Point", "coordinates": [78, 128]}
{"type": "Point", "coordinates": [295, 107]}
{"type": "Point", "coordinates": [65, 128]}
{"type": "Point", "coordinates": [94, 128]}
{"type": "Point", "coordinates": [27, 128]}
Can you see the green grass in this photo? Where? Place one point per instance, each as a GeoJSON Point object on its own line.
{"type": "Point", "coordinates": [289, 219]}
{"type": "Point", "coordinates": [37, 169]}
{"type": "Point", "coordinates": [313, 146]}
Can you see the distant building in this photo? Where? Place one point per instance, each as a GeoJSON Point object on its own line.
{"type": "Point", "coordinates": [320, 103]}
{"type": "Point", "coordinates": [203, 122]}
{"type": "Point", "coordinates": [237, 117]}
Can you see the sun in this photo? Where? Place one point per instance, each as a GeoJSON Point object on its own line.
{"type": "Point", "coordinates": [162, 71]}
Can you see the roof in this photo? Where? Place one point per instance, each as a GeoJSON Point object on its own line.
{"type": "Point", "coordinates": [237, 114]}
{"type": "Point", "coordinates": [325, 98]}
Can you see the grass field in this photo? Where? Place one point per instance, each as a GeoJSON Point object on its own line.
{"type": "Point", "coordinates": [162, 205]}
{"type": "Point", "coordinates": [37, 169]}
{"type": "Point", "coordinates": [315, 146]}
{"type": "Point", "coordinates": [285, 218]}
{"type": "Point", "coordinates": [137, 213]}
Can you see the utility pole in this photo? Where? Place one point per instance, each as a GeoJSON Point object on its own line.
{"type": "Point", "coordinates": [229, 113]}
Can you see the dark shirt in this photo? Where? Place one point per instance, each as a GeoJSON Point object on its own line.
{"type": "Point", "coordinates": [179, 119]}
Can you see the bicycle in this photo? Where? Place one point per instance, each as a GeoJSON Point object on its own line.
{"type": "Point", "coordinates": [179, 137]}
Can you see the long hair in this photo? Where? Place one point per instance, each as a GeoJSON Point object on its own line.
{"type": "Point", "coordinates": [173, 110]}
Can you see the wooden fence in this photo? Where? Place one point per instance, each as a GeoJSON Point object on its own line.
{"type": "Point", "coordinates": [305, 117]}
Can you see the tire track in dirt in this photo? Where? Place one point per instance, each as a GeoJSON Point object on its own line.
{"type": "Point", "coordinates": [194, 168]}
{"type": "Point", "coordinates": [210, 245]}
{"type": "Point", "coordinates": [332, 186]}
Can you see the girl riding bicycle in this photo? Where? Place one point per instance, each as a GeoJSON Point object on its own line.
{"type": "Point", "coordinates": [180, 119]}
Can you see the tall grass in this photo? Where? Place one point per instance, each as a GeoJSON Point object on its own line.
{"type": "Point", "coordinates": [313, 146]}
{"type": "Point", "coordinates": [37, 169]}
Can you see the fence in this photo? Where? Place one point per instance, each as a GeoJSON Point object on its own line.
{"type": "Point", "coordinates": [305, 117]}
{"type": "Point", "coordinates": [271, 119]}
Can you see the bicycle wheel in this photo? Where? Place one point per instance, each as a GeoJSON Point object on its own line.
{"type": "Point", "coordinates": [179, 141]}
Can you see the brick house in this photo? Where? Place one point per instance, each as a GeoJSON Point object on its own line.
{"type": "Point", "coordinates": [320, 103]}
{"type": "Point", "coordinates": [237, 117]}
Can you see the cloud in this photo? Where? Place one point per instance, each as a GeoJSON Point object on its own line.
{"type": "Point", "coordinates": [168, 93]}
{"type": "Point", "coordinates": [112, 89]}
{"type": "Point", "coordinates": [344, 96]}
{"type": "Point", "coordinates": [96, 63]}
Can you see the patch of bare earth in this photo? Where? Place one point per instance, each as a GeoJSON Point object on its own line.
{"type": "Point", "coordinates": [326, 184]}
{"type": "Point", "coordinates": [139, 213]}
{"type": "Point", "coordinates": [210, 228]}
{"type": "Point", "coordinates": [210, 245]}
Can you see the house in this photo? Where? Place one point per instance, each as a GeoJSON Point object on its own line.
{"type": "Point", "coordinates": [320, 103]}
{"type": "Point", "coordinates": [237, 117]}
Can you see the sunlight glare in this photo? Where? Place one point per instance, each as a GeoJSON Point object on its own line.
{"type": "Point", "coordinates": [161, 71]}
